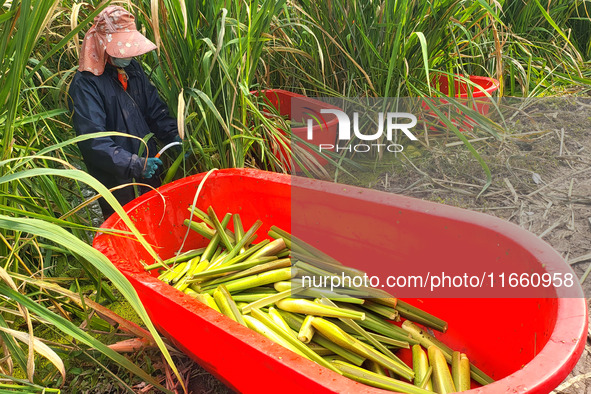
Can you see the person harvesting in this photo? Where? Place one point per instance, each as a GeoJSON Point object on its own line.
{"type": "Point", "coordinates": [111, 92]}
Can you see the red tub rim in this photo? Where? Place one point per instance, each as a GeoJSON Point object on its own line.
{"type": "Point", "coordinates": [301, 129]}
{"type": "Point", "coordinates": [542, 374]}
{"type": "Point", "coordinates": [488, 85]}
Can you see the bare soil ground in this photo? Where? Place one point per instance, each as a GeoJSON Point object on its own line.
{"type": "Point", "coordinates": [541, 181]}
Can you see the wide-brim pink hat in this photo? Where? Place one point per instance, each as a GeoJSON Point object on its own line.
{"type": "Point", "coordinates": [113, 33]}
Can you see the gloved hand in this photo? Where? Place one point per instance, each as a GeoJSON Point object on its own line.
{"type": "Point", "coordinates": [151, 166]}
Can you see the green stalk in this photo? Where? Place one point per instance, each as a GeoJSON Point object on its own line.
{"type": "Point", "coordinates": [419, 316]}
{"type": "Point", "coordinates": [227, 305]}
{"type": "Point", "coordinates": [204, 299]}
{"type": "Point", "coordinates": [249, 297]}
{"type": "Point", "coordinates": [426, 340]}
{"type": "Point", "coordinates": [220, 229]}
{"type": "Point", "coordinates": [375, 368]}
{"type": "Point", "coordinates": [375, 323]}
{"type": "Point", "coordinates": [263, 302]}
{"type": "Point", "coordinates": [295, 322]}
{"type": "Point", "coordinates": [247, 255]}
{"type": "Point", "coordinates": [389, 341]}
{"type": "Point", "coordinates": [460, 371]}
{"type": "Point", "coordinates": [258, 280]}
{"type": "Point", "coordinates": [420, 364]}
{"type": "Point", "coordinates": [342, 352]}
{"type": "Point", "coordinates": [387, 312]}
{"type": "Point", "coordinates": [271, 249]}
{"type": "Point", "coordinates": [185, 256]}
{"type": "Point", "coordinates": [341, 338]}
{"type": "Point", "coordinates": [216, 255]}
{"type": "Point", "coordinates": [187, 266]}
{"type": "Point", "coordinates": [168, 276]}
{"type": "Point", "coordinates": [275, 235]}
{"type": "Point", "coordinates": [263, 329]}
{"type": "Point", "coordinates": [259, 315]}
{"type": "Point", "coordinates": [442, 381]}
{"type": "Point", "coordinates": [312, 308]}
{"type": "Point", "coordinates": [356, 328]}
{"type": "Point", "coordinates": [427, 379]}
{"type": "Point", "coordinates": [318, 293]}
{"type": "Point", "coordinates": [201, 228]}
{"type": "Point", "coordinates": [238, 229]}
{"type": "Point", "coordinates": [297, 245]}
{"type": "Point", "coordinates": [195, 266]}
{"type": "Point", "coordinates": [284, 252]}
{"type": "Point", "coordinates": [278, 319]}
{"type": "Point", "coordinates": [257, 269]}
{"type": "Point", "coordinates": [211, 248]}
{"type": "Point", "coordinates": [320, 350]}
{"type": "Point", "coordinates": [201, 215]}
{"type": "Point", "coordinates": [387, 330]}
{"type": "Point", "coordinates": [387, 301]}
{"type": "Point", "coordinates": [306, 330]}
{"type": "Point", "coordinates": [240, 244]}
{"type": "Point", "coordinates": [237, 267]}
{"type": "Point", "coordinates": [375, 380]}
{"type": "Point", "coordinates": [327, 267]}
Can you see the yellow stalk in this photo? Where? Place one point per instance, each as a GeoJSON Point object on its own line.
{"type": "Point", "coordinates": [442, 381]}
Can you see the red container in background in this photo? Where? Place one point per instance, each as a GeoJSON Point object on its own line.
{"type": "Point", "coordinates": [461, 88]}
{"type": "Point", "coordinates": [468, 95]}
{"type": "Point", "coordinates": [529, 345]}
{"type": "Point", "coordinates": [322, 133]}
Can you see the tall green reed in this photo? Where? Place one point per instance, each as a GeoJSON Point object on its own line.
{"type": "Point", "coordinates": [211, 54]}
{"type": "Point", "coordinates": [36, 183]}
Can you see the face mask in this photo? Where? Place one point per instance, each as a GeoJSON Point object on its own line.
{"type": "Point", "coordinates": [121, 61]}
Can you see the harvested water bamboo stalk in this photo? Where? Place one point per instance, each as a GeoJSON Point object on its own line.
{"type": "Point", "coordinates": [306, 330]}
{"type": "Point", "coordinates": [227, 305]}
{"type": "Point", "coordinates": [340, 337]}
{"type": "Point", "coordinates": [267, 301]}
{"type": "Point", "coordinates": [426, 340]}
{"type": "Point", "coordinates": [220, 229]}
{"type": "Point", "coordinates": [420, 364]}
{"type": "Point", "coordinates": [261, 316]}
{"type": "Point", "coordinates": [313, 308]}
{"type": "Point", "coordinates": [460, 371]}
{"type": "Point", "coordinates": [236, 277]}
{"type": "Point", "coordinates": [372, 379]}
{"type": "Point", "coordinates": [442, 381]}
{"type": "Point", "coordinates": [417, 315]}
{"type": "Point", "coordinates": [258, 280]}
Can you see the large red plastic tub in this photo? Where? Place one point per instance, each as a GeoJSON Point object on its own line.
{"type": "Point", "coordinates": [527, 344]}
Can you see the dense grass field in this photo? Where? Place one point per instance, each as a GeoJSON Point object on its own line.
{"type": "Point", "coordinates": [211, 55]}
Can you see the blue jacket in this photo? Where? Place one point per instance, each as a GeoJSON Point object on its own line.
{"type": "Point", "coordinates": [99, 103]}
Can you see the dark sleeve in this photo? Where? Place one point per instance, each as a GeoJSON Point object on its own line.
{"type": "Point", "coordinates": [157, 116]}
{"type": "Point", "coordinates": [89, 116]}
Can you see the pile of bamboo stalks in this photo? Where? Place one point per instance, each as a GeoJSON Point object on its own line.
{"type": "Point", "coordinates": [347, 330]}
